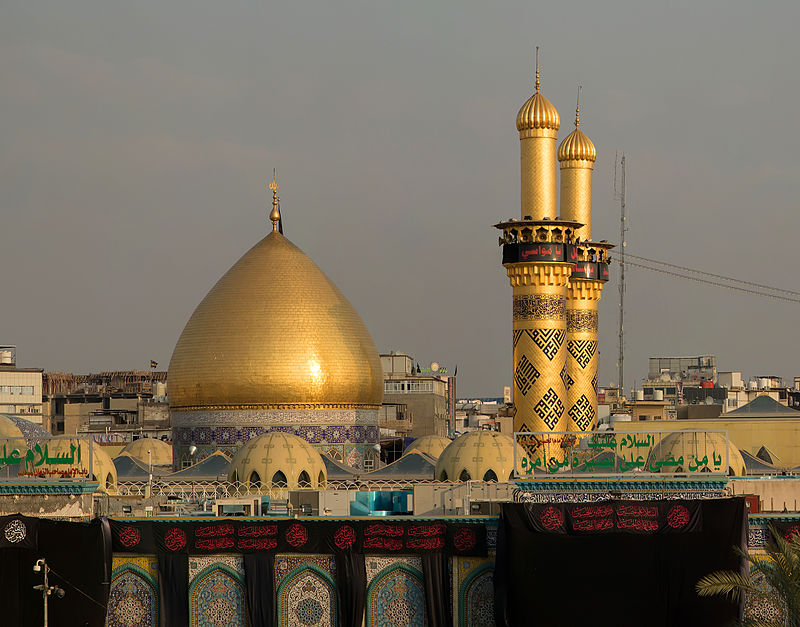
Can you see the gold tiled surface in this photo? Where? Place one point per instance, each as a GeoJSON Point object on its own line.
{"type": "Point", "coordinates": [582, 354]}
{"type": "Point", "coordinates": [577, 147]}
{"type": "Point", "coordinates": [537, 113]}
{"type": "Point", "coordinates": [576, 195]}
{"type": "Point", "coordinates": [540, 349]}
{"type": "Point", "coordinates": [275, 332]}
{"type": "Point", "coordinates": [538, 176]}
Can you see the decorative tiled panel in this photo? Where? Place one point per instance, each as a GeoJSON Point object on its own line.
{"type": "Point", "coordinates": [315, 434]}
{"type": "Point", "coordinates": [284, 564]}
{"type": "Point", "coordinates": [133, 598]}
{"type": "Point", "coordinates": [259, 418]}
{"type": "Point", "coordinates": [216, 591]}
{"type": "Point", "coordinates": [473, 604]}
{"type": "Point", "coordinates": [305, 591]}
{"type": "Point", "coordinates": [395, 592]}
{"type": "Point", "coordinates": [766, 609]}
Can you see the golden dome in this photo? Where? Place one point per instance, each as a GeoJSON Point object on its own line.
{"type": "Point", "coordinates": [275, 333]}
{"type": "Point", "coordinates": [431, 445]}
{"type": "Point", "coordinates": [483, 455]}
{"type": "Point", "coordinates": [538, 113]}
{"type": "Point", "coordinates": [278, 460]}
{"type": "Point", "coordinates": [160, 452]}
{"type": "Point", "coordinates": [692, 446]}
{"type": "Point", "coordinates": [12, 435]}
{"type": "Point", "coordinates": [577, 147]}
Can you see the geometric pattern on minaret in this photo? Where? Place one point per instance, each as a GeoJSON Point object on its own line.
{"type": "Point", "coordinates": [576, 156]}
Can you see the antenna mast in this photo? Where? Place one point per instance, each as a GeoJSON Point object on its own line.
{"type": "Point", "coordinates": [619, 193]}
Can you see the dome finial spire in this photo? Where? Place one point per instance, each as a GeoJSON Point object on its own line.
{"type": "Point", "coordinates": [275, 214]}
{"type": "Point", "coordinates": [578, 108]}
{"type": "Point", "coordinates": [538, 82]}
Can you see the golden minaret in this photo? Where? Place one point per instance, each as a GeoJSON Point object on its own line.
{"type": "Point", "coordinates": [577, 155]}
{"type": "Point", "coordinates": [556, 275]}
{"type": "Point", "coordinates": [535, 260]}
{"type": "Point", "coordinates": [538, 124]}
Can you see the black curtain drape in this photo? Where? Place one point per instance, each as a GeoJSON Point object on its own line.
{"type": "Point", "coordinates": [538, 576]}
{"type": "Point", "coordinates": [351, 588]}
{"type": "Point", "coordinates": [173, 589]}
{"type": "Point", "coordinates": [437, 589]}
{"type": "Point", "coordinates": [501, 574]}
{"type": "Point", "coordinates": [259, 569]}
{"type": "Point", "coordinates": [80, 563]}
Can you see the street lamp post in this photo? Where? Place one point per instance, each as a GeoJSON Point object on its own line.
{"type": "Point", "coordinates": [42, 567]}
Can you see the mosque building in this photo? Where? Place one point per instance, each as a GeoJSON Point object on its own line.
{"type": "Point", "coordinates": [275, 346]}
{"type": "Point", "coordinates": [557, 274]}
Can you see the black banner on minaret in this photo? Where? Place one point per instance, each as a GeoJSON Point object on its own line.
{"type": "Point", "coordinates": [533, 251]}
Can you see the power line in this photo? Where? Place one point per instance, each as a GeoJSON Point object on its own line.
{"type": "Point", "coordinates": [716, 283]}
{"type": "Point", "coordinates": [77, 589]}
{"type": "Point", "coordinates": [716, 276]}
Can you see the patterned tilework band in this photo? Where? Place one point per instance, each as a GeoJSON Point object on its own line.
{"type": "Point", "coordinates": [582, 354]}
{"type": "Point", "coordinates": [349, 444]}
{"type": "Point", "coordinates": [539, 339]}
{"type": "Point", "coordinates": [315, 434]}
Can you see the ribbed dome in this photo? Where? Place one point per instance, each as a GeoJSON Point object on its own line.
{"type": "Point", "coordinates": [691, 446]}
{"type": "Point", "coordinates": [481, 455]}
{"type": "Point", "coordinates": [577, 147]}
{"type": "Point", "coordinates": [431, 445]}
{"type": "Point", "coordinates": [160, 452]}
{"type": "Point", "coordinates": [538, 112]}
{"type": "Point", "coordinates": [276, 460]}
{"type": "Point", "coordinates": [275, 333]}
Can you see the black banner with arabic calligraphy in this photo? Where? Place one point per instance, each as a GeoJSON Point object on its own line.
{"type": "Point", "coordinates": [646, 517]}
{"type": "Point", "coordinates": [539, 576]}
{"type": "Point", "coordinates": [299, 536]}
{"type": "Point", "coordinates": [534, 251]}
{"type": "Point", "coordinates": [789, 530]}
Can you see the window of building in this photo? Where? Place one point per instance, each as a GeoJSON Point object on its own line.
{"type": "Point", "coordinates": [304, 481]}
{"type": "Point", "coordinates": [279, 480]}
{"type": "Point", "coordinates": [406, 387]}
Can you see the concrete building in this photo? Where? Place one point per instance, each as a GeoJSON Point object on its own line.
{"type": "Point", "coordinates": [427, 396]}
{"type": "Point", "coordinates": [113, 406]}
{"type": "Point", "coordinates": [20, 388]}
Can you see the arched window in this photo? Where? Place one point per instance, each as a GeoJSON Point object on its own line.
{"type": "Point", "coordinates": [443, 476]}
{"type": "Point", "coordinates": [464, 476]}
{"type": "Point", "coordinates": [279, 480]}
{"type": "Point", "coordinates": [321, 479]}
{"type": "Point", "coordinates": [489, 475]}
{"type": "Point", "coordinates": [255, 480]}
{"type": "Point", "coordinates": [109, 481]}
{"type": "Point", "coordinates": [303, 480]}
{"type": "Point", "coordinates": [511, 476]}
{"type": "Point", "coordinates": [335, 454]}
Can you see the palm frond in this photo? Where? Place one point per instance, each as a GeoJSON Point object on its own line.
{"type": "Point", "coordinates": [725, 583]}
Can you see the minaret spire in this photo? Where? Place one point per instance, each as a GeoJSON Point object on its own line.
{"type": "Point", "coordinates": [275, 214]}
{"type": "Point", "coordinates": [538, 82]}
{"type": "Point", "coordinates": [578, 108]}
